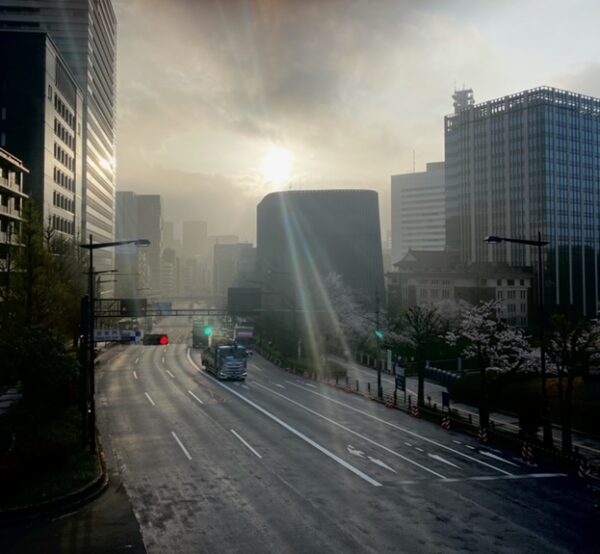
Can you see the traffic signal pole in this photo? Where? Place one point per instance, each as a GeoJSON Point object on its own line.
{"type": "Point", "coordinates": [92, 354]}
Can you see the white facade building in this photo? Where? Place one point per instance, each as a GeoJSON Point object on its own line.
{"type": "Point", "coordinates": [418, 211]}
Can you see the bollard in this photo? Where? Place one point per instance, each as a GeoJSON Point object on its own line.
{"type": "Point", "coordinates": [357, 387]}
{"type": "Point", "coordinates": [369, 388]}
{"type": "Point", "coordinates": [409, 401]}
{"type": "Point", "coordinates": [435, 406]}
{"type": "Point", "coordinates": [429, 401]}
{"type": "Point", "coordinates": [347, 381]}
{"type": "Point", "coordinates": [470, 419]}
{"type": "Point", "coordinates": [395, 397]}
{"type": "Point", "coordinates": [336, 380]}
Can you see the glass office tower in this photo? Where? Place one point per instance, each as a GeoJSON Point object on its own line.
{"type": "Point", "coordinates": [525, 163]}
{"type": "Point", "coordinates": [85, 33]}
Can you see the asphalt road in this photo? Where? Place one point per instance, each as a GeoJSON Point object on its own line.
{"type": "Point", "coordinates": [279, 464]}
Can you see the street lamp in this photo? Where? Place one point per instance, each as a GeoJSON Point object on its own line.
{"type": "Point", "coordinates": [539, 243]}
{"type": "Point", "coordinates": [91, 246]}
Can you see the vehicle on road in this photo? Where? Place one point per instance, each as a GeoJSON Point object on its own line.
{"type": "Point", "coordinates": [244, 335]}
{"type": "Point", "coordinates": [199, 337]}
{"type": "Point", "coordinates": [226, 360]}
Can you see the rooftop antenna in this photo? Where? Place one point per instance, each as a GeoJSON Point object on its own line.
{"type": "Point", "coordinates": [414, 161]}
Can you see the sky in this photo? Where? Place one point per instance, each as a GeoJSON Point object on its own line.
{"type": "Point", "coordinates": [220, 102]}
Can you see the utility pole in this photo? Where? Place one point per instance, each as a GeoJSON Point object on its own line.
{"type": "Point", "coordinates": [377, 332]}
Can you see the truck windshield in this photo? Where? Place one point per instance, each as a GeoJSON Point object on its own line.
{"type": "Point", "coordinates": [234, 352]}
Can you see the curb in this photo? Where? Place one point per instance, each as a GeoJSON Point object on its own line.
{"type": "Point", "coordinates": [62, 505]}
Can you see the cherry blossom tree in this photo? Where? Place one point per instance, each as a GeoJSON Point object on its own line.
{"type": "Point", "coordinates": [493, 343]}
{"type": "Point", "coordinates": [570, 348]}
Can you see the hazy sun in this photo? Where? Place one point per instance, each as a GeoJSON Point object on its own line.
{"type": "Point", "coordinates": [276, 166]}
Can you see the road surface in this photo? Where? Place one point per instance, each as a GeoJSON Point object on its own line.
{"type": "Point", "coordinates": [279, 464]}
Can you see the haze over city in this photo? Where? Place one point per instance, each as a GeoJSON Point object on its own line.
{"type": "Point", "coordinates": [207, 90]}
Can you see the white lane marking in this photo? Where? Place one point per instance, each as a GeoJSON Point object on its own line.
{"type": "Point", "coordinates": [407, 431]}
{"type": "Point", "coordinates": [254, 366]}
{"type": "Point", "coordinates": [353, 432]}
{"type": "Point", "coordinates": [170, 374]}
{"type": "Point", "coordinates": [355, 452]}
{"type": "Point", "coordinates": [294, 431]}
{"type": "Point", "coordinates": [163, 360]}
{"type": "Point", "coordinates": [137, 360]}
{"type": "Point", "coordinates": [419, 449]}
{"type": "Point", "coordinates": [280, 386]}
{"type": "Point", "coordinates": [245, 386]}
{"type": "Point", "coordinates": [493, 456]}
{"type": "Point", "coordinates": [305, 384]}
{"type": "Point", "coordinates": [247, 445]}
{"type": "Point", "coordinates": [381, 464]}
{"type": "Point", "coordinates": [135, 374]}
{"type": "Point", "coordinates": [150, 399]}
{"type": "Point", "coordinates": [185, 451]}
{"type": "Point", "coordinates": [469, 446]}
{"type": "Point", "coordinates": [485, 478]}
{"type": "Point", "coordinates": [408, 444]}
{"type": "Point", "coordinates": [443, 460]}
{"type": "Point", "coordinates": [456, 442]}
{"type": "Point", "coordinates": [195, 397]}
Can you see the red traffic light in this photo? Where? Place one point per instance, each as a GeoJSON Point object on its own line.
{"type": "Point", "coordinates": [164, 340]}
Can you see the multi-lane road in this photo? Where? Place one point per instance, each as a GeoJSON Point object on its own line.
{"type": "Point", "coordinates": [280, 464]}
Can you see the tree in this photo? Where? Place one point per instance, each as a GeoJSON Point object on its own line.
{"type": "Point", "coordinates": [569, 349]}
{"type": "Point", "coordinates": [421, 329]}
{"type": "Point", "coordinates": [482, 336]}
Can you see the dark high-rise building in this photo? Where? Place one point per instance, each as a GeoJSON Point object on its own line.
{"type": "Point", "coordinates": [41, 111]}
{"type": "Point", "coordinates": [303, 236]}
{"type": "Point", "coordinates": [139, 216]}
{"type": "Point", "coordinates": [84, 32]}
{"type": "Point", "coordinates": [522, 164]}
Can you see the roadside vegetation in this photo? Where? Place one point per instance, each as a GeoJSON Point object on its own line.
{"type": "Point", "coordinates": [42, 454]}
{"type": "Point", "coordinates": [501, 362]}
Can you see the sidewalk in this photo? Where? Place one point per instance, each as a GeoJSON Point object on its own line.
{"type": "Point", "coordinates": [589, 446]}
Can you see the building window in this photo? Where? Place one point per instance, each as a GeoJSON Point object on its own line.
{"type": "Point", "coordinates": [512, 308]}
{"type": "Point", "coordinates": [445, 293]}
{"type": "Point", "coordinates": [523, 294]}
{"type": "Point", "coordinates": [423, 293]}
{"type": "Point", "coordinates": [49, 92]}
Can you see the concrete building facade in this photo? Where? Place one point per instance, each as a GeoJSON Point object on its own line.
{"type": "Point", "coordinates": [84, 32]}
{"type": "Point", "coordinates": [418, 211]}
{"type": "Point", "coordinates": [41, 118]}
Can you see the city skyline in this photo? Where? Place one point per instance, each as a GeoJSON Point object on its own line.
{"type": "Point", "coordinates": [350, 93]}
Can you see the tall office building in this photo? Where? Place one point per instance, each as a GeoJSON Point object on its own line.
{"type": "Point", "coordinates": [233, 265]}
{"type": "Point", "coordinates": [302, 236]}
{"type": "Point", "coordinates": [522, 164]}
{"type": "Point", "coordinates": [41, 114]}
{"type": "Point", "coordinates": [418, 211]}
{"type": "Point", "coordinates": [139, 216]}
{"type": "Point", "coordinates": [84, 32]}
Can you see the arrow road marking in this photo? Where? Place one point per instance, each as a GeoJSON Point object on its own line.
{"type": "Point", "coordinates": [295, 431]}
{"type": "Point", "coordinates": [443, 460]}
{"type": "Point", "coordinates": [490, 455]}
{"type": "Point", "coordinates": [382, 464]}
{"type": "Point", "coordinates": [355, 452]}
{"type": "Point", "coordinates": [355, 433]}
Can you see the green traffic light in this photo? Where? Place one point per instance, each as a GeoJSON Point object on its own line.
{"type": "Point", "coordinates": [379, 334]}
{"type": "Point", "coordinates": [208, 331]}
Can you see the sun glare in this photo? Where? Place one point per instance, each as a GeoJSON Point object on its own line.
{"type": "Point", "coordinates": [276, 166]}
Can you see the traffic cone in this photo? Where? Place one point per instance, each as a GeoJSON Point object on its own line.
{"type": "Point", "coordinates": [414, 411]}
{"type": "Point", "coordinates": [583, 470]}
{"type": "Point", "coordinates": [527, 452]}
{"type": "Point", "coordinates": [482, 437]}
{"type": "Point", "coordinates": [446, 422]}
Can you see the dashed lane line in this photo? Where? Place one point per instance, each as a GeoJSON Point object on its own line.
{"type": "Point", "coordinates": [135, 375]}
{"type": "Point", "coordinates": [494, 457]}
{"type": "Point", "coordinates": [170, 374]}
{"type": "Point", "coordinates": [294, 431]}
{"type": "Point", "coordinates": [200, 401]}
{"type": "Point", "coordinates": [246, 444]}
{"type": "Point", "coordinates": [150, 399]}
{"type": "Point", "coordinates": [407, 431]}
{"type": "Point", "coordinates": [345, 428]}
{"type": "Point", "coordinates": [183, 448]}
{"type": "Point", "coordinates": [443, 460]}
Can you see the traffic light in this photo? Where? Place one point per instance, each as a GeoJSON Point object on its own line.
{"type": "Point", "coordinates": [208, 331]}
{"type": "Point", "coordinates": [379, 334]}
{"type": "Point", "coordinates": [156, 339]}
